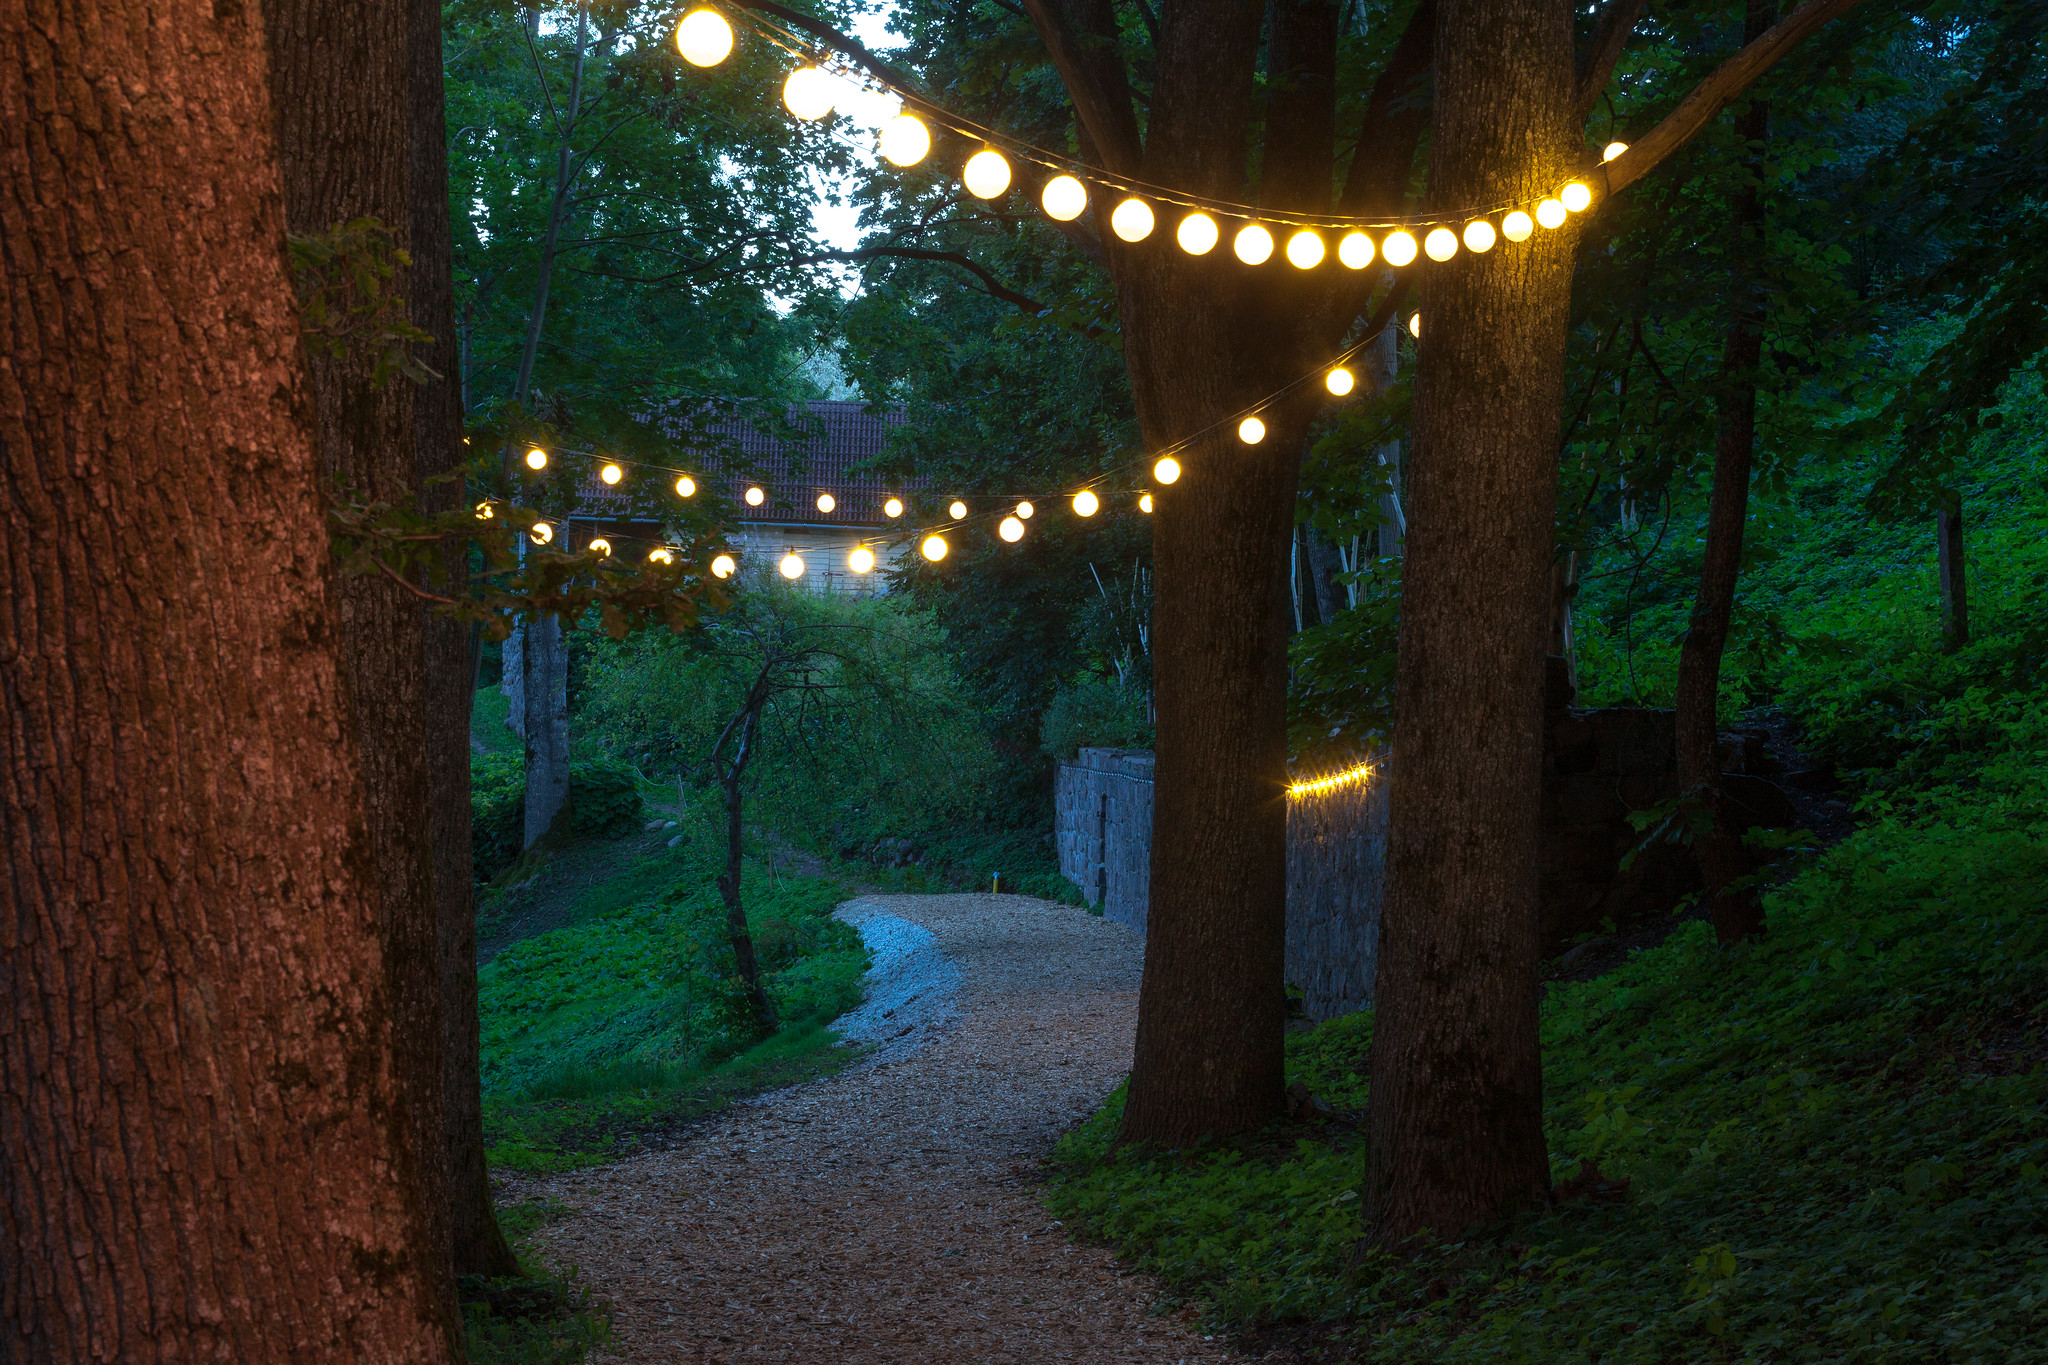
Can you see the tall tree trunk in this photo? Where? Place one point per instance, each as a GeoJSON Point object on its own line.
{"type": "Point", "coordinates": [205, 1128]}
{"type": "Point", "coordinates": [1456, 1106]}
{"type": "Point", "coordinates": [736, 929]}
{"type": "Point", "coordinates": [1323, 567]}
{"type": "Point", "coordinates": [1717, 845]}
{"type": "Point", "coordinates": [339, 75]}
{"type": "Point", "coordinates": [1955, 594]}
{"type": "Point", "coordinates": [477, 1246]}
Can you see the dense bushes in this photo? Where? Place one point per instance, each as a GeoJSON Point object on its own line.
{"type": "Point", "coordinates": [604, 802]}
{"type": "Point", "coordinates": [1095, 711]}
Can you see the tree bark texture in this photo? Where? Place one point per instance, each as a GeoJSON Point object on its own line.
{"type": "Point", "coordinates": [478, 1246]}
{"type": "Point", "coordinates": [1955, 593]}
{"type": "Point", "coordinates": [1717, 843]}
{"type": "Point", "coordinates": [1456, 1103]}
{"type": "Point", "coordinates": [544, 695]}
{"type": "Point", "coordinates": [203, 1124]}
{"type": "Point", "coordinates": [340, 72]}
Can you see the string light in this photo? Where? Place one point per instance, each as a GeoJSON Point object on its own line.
{"type": "Point", "coordinates": [704, 37]}
{"type": "Point", "coordinates": [611, 473]}
{"type": "Point", "coordinates": [1355, 250]}
{"type": "Point", "coordinates": [1304, 250]}
{"type": "Point", "coordinates": [861, 560]}
{"type": "Point", "coordinates": [934, 548]}
{"type": "Point", "coordinates": [1322, 784]}
{"type": "Point", "coordinates": [1086, 503]}
{"type": "Point", "coordinates": [686, 486]}
{"type": "Point", "coordinates": [542, 533]}
{"type": "Point", "coordinates": [1399, 248]}
{"type": "Point", "coordinates": [536, 459]}
{"type": "Point", "coordinates": [1517, 226]}
{"type": "Point", "coordinates": [1614, 149]}
{"type": "Point", "coordinates": [1251, 431]}
{"type": "Point", "coordinates": [664, 555]}
{"type": "Point", "coordinates": [986, 174]}
{"type": "Point", "coordinates": [958, 511]}
{"type": "Point", "coordinates": [904, 140]}
{"type": "Point", "coordinates": [1144, 502]}
{"type": "Point", "coordinates": [1197, 234]}
{"type": "Point", "coordinates": [484, 511]}
{"type": "Point", "coordinates": [1064, 198]}
{"type": "Point", "coordinates": [1415, 324]}
{"type": "Point", "coordinates": [602, 546]}
{"type": "Point", "coordinates": [893, 508]}
{"type": "Point", "coordinates": [1011, 529]}
{"type": "Point", "coordinates": [755, 497]}
{"type": "Point", "coordinates": [826, 502]}
{"type": "Point", "coordinates": [1441, 244]}
{"type": "Point", "coordinates": [724, 567]}
{"type": "Point", "coordinates": [1575, 196]}
{"type": "Point", "coordinates": [1132, 220]}
{"type": "Point", "coordinates": [1167, 470]}
{"type": "Point", "coordinates": [1550, 213]}
{"type": "Point", "coordinates": [1479, 235]}
{"type": "Point", "coordinates": [1252, 244]}
{"type": "Point", "coordinates": [810, 93]}
{"type": "Point", "coordinates": [1024, 510]}
{"type": "Point", "coordinates": [1339, 381]}
{"type": "Point", "coordinates": [792, 565]}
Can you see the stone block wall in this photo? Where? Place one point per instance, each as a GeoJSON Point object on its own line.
{"type": "Point", "coordinates": [1102, 828]}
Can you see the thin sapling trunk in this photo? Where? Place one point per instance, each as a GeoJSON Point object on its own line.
{"type": "Point", "coordinates": [730, 778]}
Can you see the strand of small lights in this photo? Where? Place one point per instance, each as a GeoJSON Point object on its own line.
{"type": "Point", "coordinates": [820, 84]}
{"type": "Point", "coordinates": [1358, 773]}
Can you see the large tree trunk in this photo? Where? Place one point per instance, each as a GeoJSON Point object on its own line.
{"type": "Point", "coordinates": [479, 1248]}
{"type": "Point", "coordinates": [1717, 845]}
{"type": "Point", "coordinates": [206, 1155]}
{"type": "Point", "coordinates": [1456, 1103]}
{"type": "Point", "coordinates": [340, 71]}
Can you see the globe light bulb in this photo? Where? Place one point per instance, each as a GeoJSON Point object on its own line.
{"type": "Point", "coordinates": [1086, 503]}
{"type": "Point", "coordinates": [755, 497]}
{"type": "Point", "coordinates": [1479, 235]}
{"type": "Point", "coordinates": [1144, 502]}
{"type": "Point", "coordinates": [826, 502]}
{"type": "Point", "coordinates": [704, 37]}
{"type": "Point", "coordinates": [484, 511]}
{"type": "Point", "coordinates": [1167, 470]}
{"type": "Point", "coordinates": [536, 458]}
{"type": "Point", "coordinates": [724, 567]}
{"type": "Point", "coordinates": [1441, 244]}
{"type": "Point", "coordinates": [1024, 510]}
{"type": "Point", "coordinates": [686, 487]}
{"type": "Point", "coordinates": [1011, 529]}
{"type": "Point", "coordinates": [792, 565]}
{"type": "Point", "coordinates": [1575, 196]}
{"type": "Point", "coordinates": [664, 555]}
{"type": "Point", "coordinates": [1415, 324]}
{"type": "Point", "coordinates": [809, 93]}
{"type": "Point", "coordinates": [934, 548]}
{"type": "Point", "coordinates": [1197, 234]}
{"type": "Point", "coordinates": [1614, 149]}
{"type": "Point", "coordinates": [986, 174]}
{"type": "Point", "coordinates": [542, 533]}
{"type": "Point", "coordinates": [1339, 381]}
{"type": "Point", "coordinates": [1399, 248]}
{"type": "Point", "coordinates": [1355, 250]}
{"type": "Point", "coordinates": [904, 140]}
{"type": "Point", "coordinates": [1132, 220]}
{"type": "Point", "coordinates": [861, 560]}
{"type": "Point", "coordinates": [1304, 250]}
{"type": "Point", "coordinates": [1517, 226]}
{"type": "Point", "coordinates": [611, 473]}
{"type": "Point", "coordinates": [1253, 244]}
{"type": "Point", "coordinates": [1064, 198]}
{"type": "Point", "coordinates": [1251, 431]}
{"type": "Point", "coordinates": [893, 507]}
{"type": "Point", "coordinates": [1550, 213]}
{"type": "Point", "coordinates": [957, 511]}
{"type": "Point", "coordinates": [602, 546]}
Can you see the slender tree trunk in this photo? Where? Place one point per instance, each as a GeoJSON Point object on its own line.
{"type": "Point", "coordinates": [206, 1130]}
{"type": "Point", "coordinates": [1323, 569]}
{"type": "Point", "coordinates": [729, 883]}
{"type": "Point", "coordinates": [1457, 1084]}
{"type": "Point", "coordinates": [477, 1246]}
{"type": "Point", "coordinates": [1737, 914]}
{"type": "Point", "coordinates": [1955, 595]}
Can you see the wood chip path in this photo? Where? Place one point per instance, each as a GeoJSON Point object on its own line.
{"type": "Point", "coordinates": [892, 1213]}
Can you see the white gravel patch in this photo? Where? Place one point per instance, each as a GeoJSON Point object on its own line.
{"type": "Point", "coordinates": [912, 988]}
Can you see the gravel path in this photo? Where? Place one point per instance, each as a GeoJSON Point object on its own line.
{"type": "Point", "coordinates": [891, 1214]}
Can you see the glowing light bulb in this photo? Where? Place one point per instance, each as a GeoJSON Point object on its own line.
{"type": "Point", "coordinates": [611, 473]}
{"type": "Point", "coordinates": [664, 555]}
{"type": "Point", "coordinates": [536, 458]}
{"type": "Point", "coordinates": [1517, 226]}
{"type": "Point", "coordinates": [904, 140]}
{"type": "Point", "coordinates": [755, 497]}
{"type": "Point", "coordinates": [1415, 324]}
{"type": "Point", "coordinates": [1024, 510]}
{"type": "Point", "coordinates": [1355, 250]}
{"type": "Point", "coordinates": [1251, 431]}
{"type": "Point", "coordinates": [826, 502]}
{"type": "Point", "coordinates": [1011, 529]}
{"type": "Point", "coordinates": [958, 510]}
{"type": "Point", "coordinates": [986, 174]}
{"type": "Point", "coordinates": [1197, 234]}
{"type": "Point", "coordinates": [1167, 470]}
{"type": "Point", "coordinates": [1253, 244]}
{"type": "Point", "coordinates": [1064, 198]}
{"type": "Point", "coordinates": [1339, 381]}
{"type": "Point", "coordinates": [934, 548]}
{"type": "Point", "coordinates": [724, 567]}
{"type": "Point", "coordinates": [1132, 220]}
{"type": "Point", "coordinates": [861, 560]}
{"type": "Point", "coordinates": [542, 533]}
{"type": "Point", "coordinates": [686, 487]}
{"type": "Point", "coordinates": [484, 511]}
{"type": "Point", "coordinates": [1550, 213]}
{"type": "Point", "coordinates": [809, 93]}
{"type": "Point", "coordinates": [1304, 250]}
{"type": "Point", "coordinates": [1479, 235]}
{"type": "Point", "coordinates": [1086, 503]}
{"type": "Point", "coordinates": [1614, 149]}
{"type": "Point", "coordinates": [792, 565]}
{"type": "Point", "coordinates": [1441, 244]}
{"type": "Point", "coordinates": [602, 546]}
{"type": "Point", "coordinates": [704, 37]}
{"type": "Point", "coordinates": [893, 507]}
{"type": "Point", "coordinates": [1399, 248]}
{"type": "Point", "coordinates": [1575, 196]}
{"type": "Point", "coordinates": [1144, 502]}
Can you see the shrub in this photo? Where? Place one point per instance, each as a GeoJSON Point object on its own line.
{"type": "Point", "coordinates": [604, 802]}
{"type": "Point", "coordinates": [1095, 711]}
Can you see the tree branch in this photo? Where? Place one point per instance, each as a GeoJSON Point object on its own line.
{"type": "Point", "coordinates": [1091, 67]}
{"type": "Point", "coordinates": [1717, 91]}
{"type": "Point", "coordinates": [1596, 63]}
{"type": "Point", "coordinates": [996, 288]}
{"type": "Point", "coordinates": [1394, 121]}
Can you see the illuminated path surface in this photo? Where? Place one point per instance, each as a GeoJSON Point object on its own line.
{"type": "Point", "coordinates": [892, 1213]}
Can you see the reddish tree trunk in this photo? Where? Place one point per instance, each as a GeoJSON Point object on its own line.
{"type": "Point", "coordinates": [198, 1102]}
{"type": "Point", "coordinates": [340, 71]}
{"type": "Point", "coordinates": [1456, 1101]}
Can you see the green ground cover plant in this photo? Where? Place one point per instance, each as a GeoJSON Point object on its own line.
{"type": "Point", "coordinates": [541, 1316]}
{"type": "Point", "coordinates": [605, 802]}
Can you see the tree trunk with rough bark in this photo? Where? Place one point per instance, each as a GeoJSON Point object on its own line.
{"type": "Point", "coordinates": [1456, 1115]}
{"type": "Point", "coordinates": [205, 1127]}
{"type": "Point", "coordinates": [1717, 842]}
